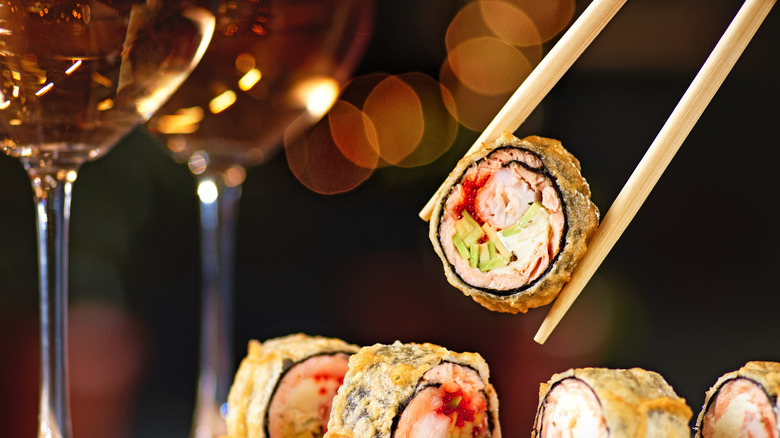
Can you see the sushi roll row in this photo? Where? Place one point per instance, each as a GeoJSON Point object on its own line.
{"type": "Point", "coordinates": [307, 386]}
{"type": "Point", "coordinates": [514, 220]}
{"type": "Point", "coordinates": [284, 386]}
{"type": "Point", "coordinates": [635, 403]}
{"type": "Point", "coordinates": [743, 403]}
{"type": "Point", "coordinates": [603, 402]}
{"type": "Point", "coordinates": [415, 391]}
{"type": "Point", "coordinates": [303, 386]}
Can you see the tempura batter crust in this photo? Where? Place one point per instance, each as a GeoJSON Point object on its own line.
{"type": "Point", "coordinates": [581, 215]}
{"type": "Point", "coordinates": [383, 378]}
{"type": "Point", "coordinates": [636, 403]}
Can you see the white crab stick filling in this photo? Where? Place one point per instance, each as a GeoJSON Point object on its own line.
{"type": "Point", "coordinates": [740, 409]}
{"type": "Point", "coordinates": [452, 406]}
{"type": "Point", "coordinates": [301, 404]}
{"type": "Point", "coordinates": [572, 410]}
{"type": "Point", "coordinates": [498, 193]}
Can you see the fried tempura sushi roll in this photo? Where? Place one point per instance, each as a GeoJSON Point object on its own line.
{"type": "Point", "coordinates": [615, 403]}
{"type": "Point", "coordinates": [284, 387]}
{"type": "Point", "coordinates": [514, 220]}
{"type": "Point", "coordinates": [743, 403]}
{"type": "Point", "coordinates": [415, 391]}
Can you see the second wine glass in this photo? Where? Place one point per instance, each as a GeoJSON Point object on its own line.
{"type": "Point", "coordinates": [76, 77]}
{"type": "Point", "coordinates": [272, 66]}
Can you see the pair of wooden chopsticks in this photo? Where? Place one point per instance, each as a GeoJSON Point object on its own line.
{"type": "Point", "coordinates": [661, 151]}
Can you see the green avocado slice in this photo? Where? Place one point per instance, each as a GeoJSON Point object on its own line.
{"type": "Point", "coordinates": [534, 209]}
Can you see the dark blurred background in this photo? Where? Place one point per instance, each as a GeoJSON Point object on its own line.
{"type": "Point", "coordinates": [690, 290]}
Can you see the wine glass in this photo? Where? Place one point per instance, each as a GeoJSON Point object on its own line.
{"type": "Point", "coordinates": [272, 66]}
{"type": "Point", "coordinates": [76, 76]}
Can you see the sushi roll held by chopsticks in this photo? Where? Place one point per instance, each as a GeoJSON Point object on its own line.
{"type": "Point", "coordinates": [284, 387]}
{"type": "Point", "coordinates": [514, 219]}
{"type": "Point", "coordinates": [610, 403]}
{"type": "Point", "coordinates": [415, 391]}
{"type": "Point", "coordinates": [743, 403]}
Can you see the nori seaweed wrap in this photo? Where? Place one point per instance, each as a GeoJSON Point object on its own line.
{"type": "Point", "coordinates": [284, 386]}
{"type": "Point", "coordinates": [743, 403]}
{"type": "Point", "coordinates": [407, 389]}
{"type": "Point", "coordinates": [513, 222]}
{"type": "Point", "coordinates": [615, 403]}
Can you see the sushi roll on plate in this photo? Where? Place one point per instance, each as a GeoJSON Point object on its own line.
{"type": "Point", "coordinates": [615, 403]}
{"type": "Point", "coordinates": [514, 220]}
{"type": "Point", "coordinates": [743, 403]}
{"type": "Point", "coordinates": [415, 391]}
{"type": "Point", "coordinates": [284, 387]}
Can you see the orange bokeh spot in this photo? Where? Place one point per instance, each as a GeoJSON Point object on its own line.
{"type": "Point", "coordinates": [355, 93]}
{"type": "Point", "coordinates": [407, 120]}
{"type": "Point", "coordinates": [474, 110]}
{"type": "Point", "coordinates": [319, 164]}
{"type": "Point", "coordinates": [497, 19]}
{"type": "Point", "coordinates": [354, 134]}
{"type": "Point", "coordinates": [357, 90]}
{"type": "Point", "coordinates": [396, 112]}
{"type": "Point", "coordinates": [510, 23]}
{"type": "Point", "coordinates": [440, 126]}
{"type": "Point", "coordinates": [489, 65]}
{"type": "Point", "coordinates": [549, 16]}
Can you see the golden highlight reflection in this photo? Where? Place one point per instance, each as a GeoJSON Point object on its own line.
{"type": "Point", "coordinates": [249, 79]}
{"type": "Point", "coordinates": [101, 80]}
{"type": "Point", "coordinates": [316, 94]}
{"type": "Point", "coordinates": [222, 102]}
{"type": "Point", "coordinates": [183, 121]}
{"type": "Point", "coordinates": [105, 105]}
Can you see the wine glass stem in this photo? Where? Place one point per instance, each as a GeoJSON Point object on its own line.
{"type": "Point", "coordinates": [218, 208]}
{"type": "Point", "coordinates": [52, 201]}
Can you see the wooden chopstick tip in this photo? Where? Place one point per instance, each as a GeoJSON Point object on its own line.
{"type": "Point", "coordinates": [545, 330]}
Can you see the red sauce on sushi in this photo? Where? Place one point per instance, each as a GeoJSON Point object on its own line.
{"type": "Point", "coordinates": [457, 403]}
{"type": "Point", "coordinates": [470, 190]}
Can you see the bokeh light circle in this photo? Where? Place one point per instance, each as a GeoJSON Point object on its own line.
{"type": "Point", "coordinates": [473, 110]}
{"type": "Point", "coordinates": [397, 114]}
{"type": "Point", "coordinates": [549, 17]}
{"type": "Point", "coordinates": [440, 124]}
{"type": "Point", "coordinates": [354, 134]}
{"type": "Point", "coordinates": [489, 65]}
{"type": "Point", "coordinates": [513, 26]}
{"type": "Point", "coordinates": [319, 164]}
{"type": "Point", "coordinates": [510, 23]}
{"type": "Point", "coordinates": [411, 119]}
